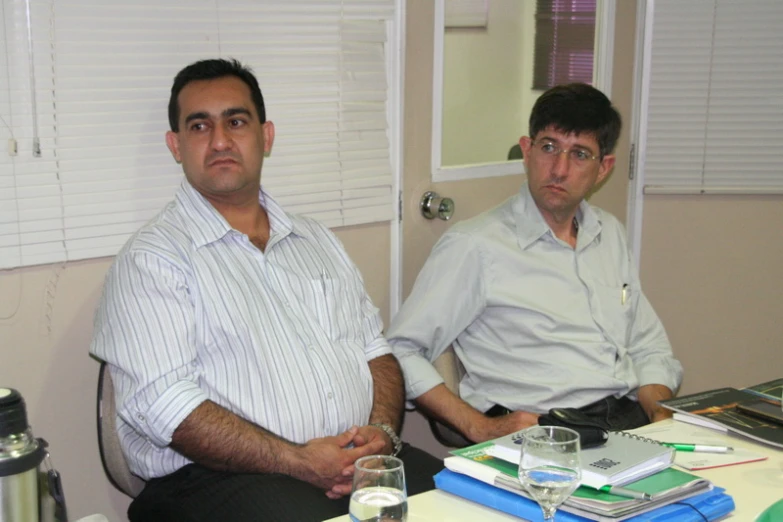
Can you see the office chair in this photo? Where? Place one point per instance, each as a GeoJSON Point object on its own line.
{"type": "Point", "coordinates": [452, 371]}
{"type": "Point", "coordinates": [112, 458]}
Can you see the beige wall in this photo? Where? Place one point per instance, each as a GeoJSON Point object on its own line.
{"type": "Point", "coordinates": [46, 318]}
{"type": "Point", "coordinates": [711, 267]}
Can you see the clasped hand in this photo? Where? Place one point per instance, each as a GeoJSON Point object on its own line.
{"type": "Point", "coordinates": [330, 460]}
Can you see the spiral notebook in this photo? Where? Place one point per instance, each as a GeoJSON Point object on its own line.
{"type": "Point", "coordinates": [624, 458]}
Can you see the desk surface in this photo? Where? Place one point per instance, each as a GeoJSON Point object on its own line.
{"type": "Point", "coordinates": [754, 486]}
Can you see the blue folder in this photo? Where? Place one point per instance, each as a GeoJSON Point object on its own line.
{"type": "Point", "coordinates": [711, 504]}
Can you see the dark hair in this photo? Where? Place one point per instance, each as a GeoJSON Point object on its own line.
{"type": "Point", "coordinates": [577, 108]}
{"type": "Point", "coordinates": [210, 70]}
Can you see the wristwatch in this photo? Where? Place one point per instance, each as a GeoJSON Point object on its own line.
{"type": "Point", "coordinates": [396, 442]}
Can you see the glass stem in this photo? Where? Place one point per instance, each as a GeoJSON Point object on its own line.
{"type": "Point", "coordinates": [549, 513]}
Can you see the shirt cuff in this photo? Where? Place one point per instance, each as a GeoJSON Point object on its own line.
{"type": "Point", "coordinates": [379, 346]}
{"type": "Point", "coordinates": [665, 373]}
{"type": "Point", "coordinates": [167, 412]}
{"type": "Point", "coordinates": [420, 375]}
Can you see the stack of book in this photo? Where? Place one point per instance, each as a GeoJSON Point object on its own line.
{"type": "Point", "coordinates": [475, 473]}
{"type": "Point", "coordinates": [725, 409]}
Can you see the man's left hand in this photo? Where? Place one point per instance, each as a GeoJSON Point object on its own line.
{"type": "Point", "coordinates": [365, 435]}
{"type": "Point", "coordinates": [368, 434]}
{"type": "Point", "coordinates": [649, 395]}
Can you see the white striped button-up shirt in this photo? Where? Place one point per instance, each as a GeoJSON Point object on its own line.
{"type": "Point", "coordinates": [191, 311]}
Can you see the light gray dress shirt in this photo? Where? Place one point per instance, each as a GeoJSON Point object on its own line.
{"type": "Point", "coordinates": [191, 311]}
{"type": "Point", "coordinates": [537, 324]}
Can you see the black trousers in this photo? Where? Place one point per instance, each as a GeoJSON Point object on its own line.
{"type": "Point", "coordinates": [610, 413]}
{"type": "Point", "coordinates": [197, 494]}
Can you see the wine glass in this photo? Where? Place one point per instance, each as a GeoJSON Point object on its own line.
{"type": "Point", "coordinates": [379, 493]}
{"type": "Point", "coordinates": [549, 465]}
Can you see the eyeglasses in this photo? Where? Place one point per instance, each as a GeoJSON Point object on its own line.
{"type": "Point", "coordinates": [551, 150]}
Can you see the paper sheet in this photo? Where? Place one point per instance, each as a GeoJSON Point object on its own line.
{"type": "Point", "coordinates": [683, 432]}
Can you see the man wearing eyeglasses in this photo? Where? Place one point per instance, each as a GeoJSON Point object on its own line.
{"type": "Point", "coordinates": [539, 297]}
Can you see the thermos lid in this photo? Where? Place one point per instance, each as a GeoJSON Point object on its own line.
{"type": "Point", "coordinates": [13, 416]}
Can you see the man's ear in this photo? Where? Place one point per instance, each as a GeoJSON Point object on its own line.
{"type": "Point", "coordinates": [172, 141]}
{"type": "Point", "coordinates": [268, 128]}
{"type": "Point", "coordinates": [605, 168]}
{"type": "Point", "coordinates": [525, 143]}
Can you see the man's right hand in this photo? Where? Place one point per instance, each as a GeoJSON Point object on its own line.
{"type": "Point", "coordinates": [321, 461]}
{"type": "Point", "coordinates": [494, 427]}
{"type": "Point", "coordinates": [441, 403]}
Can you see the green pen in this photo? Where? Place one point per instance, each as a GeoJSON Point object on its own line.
{"type": "Point", "coordinates": [623, 492]}
{"type": "Point", "coordinates": [700, 448]}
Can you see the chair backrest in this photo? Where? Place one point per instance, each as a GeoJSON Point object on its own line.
{"type": "Point", "coordinates": [113, 459]}
{"type": "Point", "coordinates": [450, 368]}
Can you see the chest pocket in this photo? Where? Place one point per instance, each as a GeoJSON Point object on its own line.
{"type": "Point", "coordinates": [616, 307]}
{"type": "Point", "coordinates": [335, 305]}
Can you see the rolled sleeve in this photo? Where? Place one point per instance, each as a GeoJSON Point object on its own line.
{"type": "Point", "coordinates": [144, 330]}
{"type": "Point", "coordinates": [660, 370]}
{"type": "Point", "coordinates": [651, 351]}
{"type": "Point", "coordinates": [166, 413]}
{"type": "Point", "coordinates": [420, 375]}
{"type": "Point", "coordinates": [378, 347]}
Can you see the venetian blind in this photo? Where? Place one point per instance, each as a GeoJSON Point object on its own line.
{"type": "Point", "coordinates": [715, 112]}
{"type": "Point", "coordinates": [103, 72]}
{"type": "Point", "coordinates": [564, 42]}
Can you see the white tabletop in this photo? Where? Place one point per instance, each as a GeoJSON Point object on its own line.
{"type": "Point", "coordinates": [753, 486]}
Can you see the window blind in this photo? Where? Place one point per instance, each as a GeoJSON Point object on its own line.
{"type": "Point", "coordinates": [564, 42]}
{"type": "Point", "coordinates": [715, 110]}
{"type": "Point", "coordinates": [103, 72]}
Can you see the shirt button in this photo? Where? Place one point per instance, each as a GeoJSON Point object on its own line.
{"type": "Point", "coordinates": [140, 417]}
{"type": "Point", "coordinates": [330, 395]}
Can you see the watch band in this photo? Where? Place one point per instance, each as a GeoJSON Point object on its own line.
{"type": "Point", "coordinates": [396, 442]}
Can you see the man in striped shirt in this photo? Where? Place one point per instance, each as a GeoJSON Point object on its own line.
{"type": "Point", "coordinates": [248, 360]}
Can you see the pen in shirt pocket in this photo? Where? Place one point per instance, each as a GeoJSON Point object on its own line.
{"type": "Point", "coordinates": [624, 296]}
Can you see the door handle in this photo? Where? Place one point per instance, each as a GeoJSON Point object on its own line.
{"type": "Point", "coordinates": [432, 206]}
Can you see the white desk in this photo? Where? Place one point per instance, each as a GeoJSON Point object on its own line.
{"type": "Point", "coordinates": [754, 486]}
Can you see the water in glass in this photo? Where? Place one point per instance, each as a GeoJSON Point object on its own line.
{"type": "Point", "coordinates": [549, 467]}
{"type": "Point", "coordinates": [379, 493]}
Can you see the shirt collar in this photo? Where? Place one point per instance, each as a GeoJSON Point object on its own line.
{"type": "Point", "coordinates": [206, 225]}
{"type": "Point", "coordinates": [531, 225]}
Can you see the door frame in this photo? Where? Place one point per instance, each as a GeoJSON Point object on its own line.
{"type": "Point", "coordinates": [639, 110]}
{"type": "Point", "coordinates": [396, 109]}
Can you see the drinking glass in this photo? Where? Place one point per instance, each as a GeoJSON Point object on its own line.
{"type": "Point", "coordinates": [549, 465]}
{"type": "Point", "coordinates": [379, 493]}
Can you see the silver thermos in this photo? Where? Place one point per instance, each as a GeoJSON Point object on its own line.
{"type": "Point", "coordinates": [27, 494]}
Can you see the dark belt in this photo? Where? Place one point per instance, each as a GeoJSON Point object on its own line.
{"type": "Point", "coordinates": [497, 411]}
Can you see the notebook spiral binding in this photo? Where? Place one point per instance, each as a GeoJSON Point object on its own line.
{"type": "Point", "coordinates": [638, 437]}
